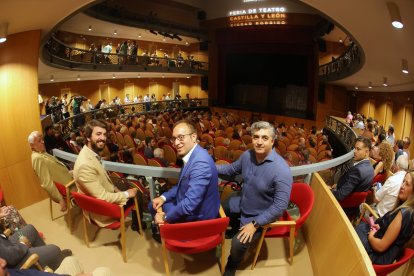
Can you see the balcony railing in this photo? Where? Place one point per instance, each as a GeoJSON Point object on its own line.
{"type": "Point", "coordinates": [58, 54]}
{"type": "Point", "coordinates": [347, 64]}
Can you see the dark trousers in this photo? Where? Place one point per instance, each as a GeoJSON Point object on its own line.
{"type": "Point", "coordinates": [49, 254]}
{"type": "Point", "coordinates": [238, 249]}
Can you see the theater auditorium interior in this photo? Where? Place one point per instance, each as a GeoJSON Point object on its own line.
{"type": "Point", "coordinates": [303, 63]}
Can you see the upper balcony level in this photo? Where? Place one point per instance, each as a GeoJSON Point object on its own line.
{"type": "Point", "coordinates": [58, 54]}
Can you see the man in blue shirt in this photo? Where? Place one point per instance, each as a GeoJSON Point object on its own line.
{"type": "Point", "coordinates": [267, 182]}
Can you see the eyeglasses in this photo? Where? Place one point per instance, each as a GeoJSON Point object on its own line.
{"type": "Point", "coordinates": [180, 137]}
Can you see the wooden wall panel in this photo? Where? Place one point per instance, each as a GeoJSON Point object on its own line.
{"type": "Point", "coordinates": [327, 231]}
{"type": "Point", "coordinates": [388, 114]}
{"type": "Point", "coordinates": [408, 118]}
{"type": "Point", "coordinates": [91, 89]}
{"type": "Point", "coordinates": [398, 120]}
{"type": "Point", "coordinates": [18, 92]}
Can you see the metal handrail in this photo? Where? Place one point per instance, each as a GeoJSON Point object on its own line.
{"type": "Point", "coordinates": [65, 55]}
{"type": "Point", "coordinates": [345, 65]}
{"type": "Point", "coordinates": [152, 172]}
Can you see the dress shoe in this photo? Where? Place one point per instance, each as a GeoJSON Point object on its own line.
{"type": "Point", "coordinates": [66, 253]}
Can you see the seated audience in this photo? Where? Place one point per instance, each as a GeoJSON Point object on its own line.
{"type": "Point", "coordinates": [384, 162]}
{"type": "Point", "coordinates": [159, 155]}
{"type": "Point", "coordinates": [19, 246]}
{"type": "Point", "coordinates": [69, 266]}
{"type": "Point", "coordinates": [48, 168]}
{"type": "Point", "coordinates": [359, 177]}
{"type": "Point", "coordinates": [407, 142]}
{"type": "Point", "coordinates": [11, 219]}
{"type": "Point", "coordinates": [386, 196]}
{"type": "Point", "coordinates": [385, 240]}
{"type": "Point", "coordinates": [150, 144]}
{"type": "Point", "coordinates": [399, 149]}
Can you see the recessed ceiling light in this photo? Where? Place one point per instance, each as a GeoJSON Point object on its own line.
{"type": "Point", "coordinates": [139, 76]}
{"type": "Point", "coordinates": [370, 85]}
{"type": "Point", "coordinates": [52, 78]}
{"type": "Point", "coordinates": [139, 36]}
{"type": "Point", "coordinates": [115, 32]}
{"type": "Point", "coordinates": [113, 76]}
{"type": "Point", "coordinates": [78, 78]}
{"type": "Point", "coordinates": [385, 82]}
{"type": "Point", "coordinates": [404, 66]}
{"type": "Point", "coordinates": [90, 28]}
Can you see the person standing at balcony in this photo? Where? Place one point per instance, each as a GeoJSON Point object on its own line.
{"type": "Point", "coordinates": [359, 177]}
{"type": "Point", "coordinates": [107, 50]}
{"type": "Point", "coordinates": [123, 51]}
{"type": "Point", "coordinates": [147, 101]}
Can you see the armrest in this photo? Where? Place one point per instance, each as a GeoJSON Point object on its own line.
{"type": "Point", "coordinates": [369, 209]}
{"type": "Point", "coordinates": [221, 212]}
{"type": "Point", "coordinates": [70, 183]}
{"type": "Point", "coordinates": [31, 261]}
{"type": "Point", "coordinates": [280, 223]}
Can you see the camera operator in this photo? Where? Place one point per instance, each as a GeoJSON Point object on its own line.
{"type": "Point", "coordinates": [65, 106]}
{"type": "Point", "coordinates": [55, 109]}
{"type": "Point", "coordinates": [77, 102]}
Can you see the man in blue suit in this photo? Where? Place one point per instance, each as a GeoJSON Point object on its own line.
{"type": "Point", "coordinates": [196, 195]}
{"type": "Point", "coordinates": [359, 177]}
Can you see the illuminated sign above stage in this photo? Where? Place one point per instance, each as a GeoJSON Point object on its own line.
{"type": "Point", "coordinates": [258, 17]}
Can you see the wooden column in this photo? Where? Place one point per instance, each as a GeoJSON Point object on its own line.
{"type": "Point", "coordinates": [19, 115]}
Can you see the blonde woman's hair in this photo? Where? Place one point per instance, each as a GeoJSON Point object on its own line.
{"type": "Point", "coordinates": [387, 155]}
{"type": "Point", "coordinates": [409, 203]}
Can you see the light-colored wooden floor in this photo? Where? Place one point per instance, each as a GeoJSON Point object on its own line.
{"type": "Point", "coordinates": [144, 254]}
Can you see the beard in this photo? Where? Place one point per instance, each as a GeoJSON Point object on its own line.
{"type": "Point", "coordinates": [96, 148]}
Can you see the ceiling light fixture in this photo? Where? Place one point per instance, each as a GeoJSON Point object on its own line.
{"type": "Point", "coordinates": [356, 87]}
{"type": "Point", "coordinates": [385, 82]}
{"type": "Point", "coordinates": [113, 76]}
{"type": "Point", "coordinates": [395, 15]}
{"type": "Point", "coordinates": [163, 39]}
{"type": "Point", "coordinates": [90, 28]}
{"type": "Point", "coordinates": [139, 36]}
{"type": "Point", "coordinates": [153, 32]}
{"type": "Point", "coordinates": [52, 78]}
{"type": "Point", "coordinates": [139, 76]}
{"type": "Point", "coordinates": [188, 77]}
{"type": "Point", "coordinates": [3, 31]}
{"type": "Point", "coordinates": [404, 66]}
{"type": "Point", "coordinates": [370, 85]}
{"type": "Point", "coordinates": [186, 43]}
{"type": "Point", "coordinates": [115, 32]}
{"type": "Point", "coordinates": [163, 76]}
{"type": "Point", "coordinates": [78, 78]}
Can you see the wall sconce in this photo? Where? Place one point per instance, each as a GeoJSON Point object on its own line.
{"type": "Point", "coordinates": [395, 15]}
{"type": "Point", "coordinates": [3, 31]}
{"type": "Point", "coordinates": [404, 66]}
{"type": "Point", "coordinates": [370, 85]}
{"type": "Point", "coordinates": [385, 82]}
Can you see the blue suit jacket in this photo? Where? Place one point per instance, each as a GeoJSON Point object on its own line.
{"type": "Point", "coordinates": [196, 196]}
{"type": "Point", "coordinates": [357, 179]}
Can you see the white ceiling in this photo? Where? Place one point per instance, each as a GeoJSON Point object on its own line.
{"type": "Point", "coordinates": [367, 21]}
